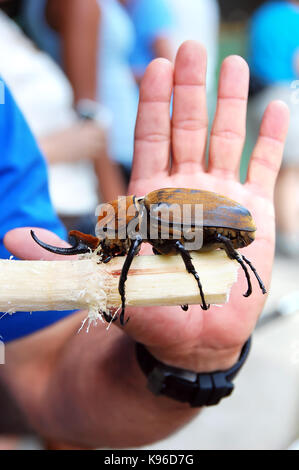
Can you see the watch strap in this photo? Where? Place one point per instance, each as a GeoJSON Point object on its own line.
{"type": "Point", "coordinates": [198, 389]}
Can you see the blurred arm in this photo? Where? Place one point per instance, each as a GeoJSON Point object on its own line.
{"type": "Point", "coordinates": [163, 48]}
{"type": "Point", "coordinates": [78, 24]}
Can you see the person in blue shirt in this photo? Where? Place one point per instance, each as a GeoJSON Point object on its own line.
{"type": "Point", "coordinates": [274, 42]}
{"type": "Point", "coordinates": [88, 389]}
{"type": "Point", "coordinates": [24, 201]}
{"type": "Point", "coordinates": [154, 22]}
{"type": "Point", "coordinates": [274, 67]}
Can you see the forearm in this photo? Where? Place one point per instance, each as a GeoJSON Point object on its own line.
{"type": "Point", "coordinates": [102, 401]}
{"type": "Point", "coordinates": [52, 148]}
{"type": "Point", "coordinates": [87, 389]}
{"type": "Point", "coordinates": [163, 48]}
{"type": "Point", "coordinates": [79, 30]}
{"type": "Point", "coordinates": [111, 181]}
{"type": "Point", "coordinates": [13, 420]}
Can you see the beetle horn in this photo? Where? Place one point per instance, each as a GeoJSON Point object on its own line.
{"type": "Point", "coordinates": [78, 248]}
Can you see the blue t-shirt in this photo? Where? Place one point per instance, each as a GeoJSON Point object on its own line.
{"type": "Point", "coordinates": [24, 201]}
{"type": "Point", "coordinates": [151, 19]}
{"type": "Point", "coordinates": [274, 42]}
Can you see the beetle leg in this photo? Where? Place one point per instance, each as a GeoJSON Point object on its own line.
{"type": "Point", "coordinates": [233, 254]}
{"type": "Point", "coordinates": [191, 269]}
{"type": "Point", "coordinates": [185, 308]}
{"type": "Point", "coordinates": [134, 248]}
{"type": "Point", "coordinates": [261, 284]}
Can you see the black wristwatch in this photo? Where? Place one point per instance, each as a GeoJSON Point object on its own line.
{"type": "Point", "coordinates": [197, 389]}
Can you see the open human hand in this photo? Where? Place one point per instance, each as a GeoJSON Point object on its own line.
{"type": "Point", "coordinates": [172, 153]}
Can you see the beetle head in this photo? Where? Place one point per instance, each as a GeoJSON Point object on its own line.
{"type": "Point", "coordinates": [116, 222]}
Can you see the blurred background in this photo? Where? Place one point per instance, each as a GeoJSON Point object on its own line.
{"type": "Point", "coordinates": [74, 68]}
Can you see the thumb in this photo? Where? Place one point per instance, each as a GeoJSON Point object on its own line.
{"type": "Point", "coordinates": [20, 243]}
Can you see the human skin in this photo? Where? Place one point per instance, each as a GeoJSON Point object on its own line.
{"type": "Point", "coordinates": [79, 51]}
{"type": "Point", "coordinates": [87, 389]}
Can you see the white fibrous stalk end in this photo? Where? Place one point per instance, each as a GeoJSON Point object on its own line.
{"type": "Point", "coordinates": [96, 293]}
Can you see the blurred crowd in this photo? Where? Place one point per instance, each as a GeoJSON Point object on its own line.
{"type": "Point", "coordinates": [74, 68]}
{"type": "Point", "coordinates": [273, 55]}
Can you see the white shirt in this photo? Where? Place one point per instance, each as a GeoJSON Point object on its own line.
{"type": "Point", "coordinates": [198, 20]}
{"type": "Point", "coordinates": [45, 97]}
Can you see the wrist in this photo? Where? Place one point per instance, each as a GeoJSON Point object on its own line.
{"type": "Point", "coordinates": [92, 110]}
{"type": "Point", "coordinates": [202, 359]}
{"type": "Point", "coordinates": [185, 385]}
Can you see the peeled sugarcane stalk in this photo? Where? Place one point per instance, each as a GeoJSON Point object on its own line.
{"type": "Point", "coordinates": [85, 284]}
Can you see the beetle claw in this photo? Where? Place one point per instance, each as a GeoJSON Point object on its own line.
{"type": "Point", "coordinates": [108, 317]}
{"type": "Point", "coordinates": [205, 306]}
{"type": "Point", "coordinates": [122, 318]}
{"type": "Point", "coordinates": [249, 291]}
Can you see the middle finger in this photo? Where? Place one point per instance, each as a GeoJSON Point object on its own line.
{"type": "Point", "coordinates": [190, 117]}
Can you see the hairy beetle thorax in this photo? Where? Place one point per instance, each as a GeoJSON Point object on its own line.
{"type": "Point", "coordinates": [118, 222]}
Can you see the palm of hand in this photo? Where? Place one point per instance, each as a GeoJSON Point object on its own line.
{"type": "Point", "coordinates": [232, 322]}
{"type": "Point", "coordinates": [188, 336]}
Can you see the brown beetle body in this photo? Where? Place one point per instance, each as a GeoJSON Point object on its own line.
{"type": "Point", "coordinates": [225, 224]}
{"type": "Point", "coordinates": [220, 215]}
{"type": "Point", "coordinates": [219, 211]}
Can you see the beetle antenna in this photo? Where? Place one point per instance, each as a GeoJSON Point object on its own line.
{"type": "Point", "coordinates": [78, 248]}
{"type": "Point", "coordinates": [261, 284]}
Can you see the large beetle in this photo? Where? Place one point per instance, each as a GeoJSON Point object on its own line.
{"type": "Point", "coordinates": [224, 224]}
